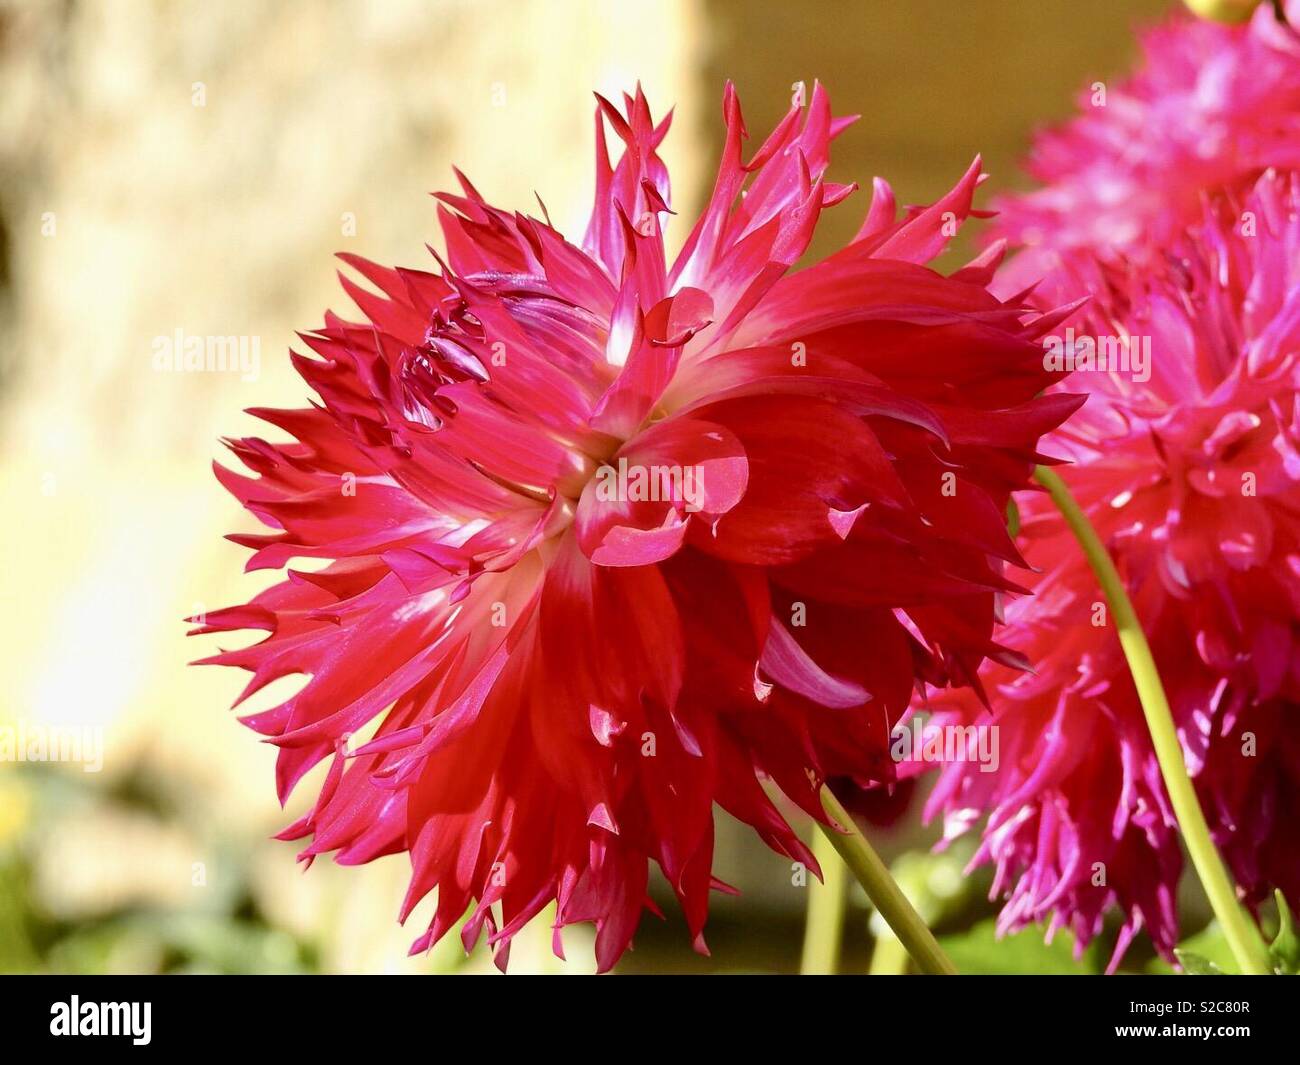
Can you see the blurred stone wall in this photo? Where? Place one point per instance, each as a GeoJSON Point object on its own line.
{"type": "Point", "coordinates": [935, 81]}
{"type": "Point", "coordinates": [193, 166]}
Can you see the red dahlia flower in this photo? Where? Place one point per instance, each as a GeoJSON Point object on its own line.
{"type": "Point", "coordinates": [1211, 107]}
{"type": "Point", "coordinates": [612, 539]}
{"type": "Point", "coordinates": [1192, 479]}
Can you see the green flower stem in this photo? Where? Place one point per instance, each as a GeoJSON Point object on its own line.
{"type": "Point", "coordinates": [824, 927]}
{"type": "Point", "coordinates": [1243, 936]}
{"type": "Point", "coordinates": [873, 875]}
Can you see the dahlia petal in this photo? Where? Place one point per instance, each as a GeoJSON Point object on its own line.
{"type": "Point", "coordinates": [788, 664]}
{"type": "Point", "coordinates": [924, 234]}
{"type": "Point", "coordinates": [656, 349]}
{"type": "Point", "coordinates": [805, 458]}
{"type": "Point", "coordinates": [569, 500]}
{"type": "Point", "coordinates": [1184, 473]}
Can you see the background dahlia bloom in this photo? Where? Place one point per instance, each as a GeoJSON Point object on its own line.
{"type": "Point", "coordinates": [1192, 479]}
{"type": "Point", "coordinates": [1210, 108]}
{"type": "Point", "coordinates": [557, 679]}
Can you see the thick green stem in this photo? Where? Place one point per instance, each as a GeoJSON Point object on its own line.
{"type": "Point", "coordinates": [1243, 936]}
{"type": "Point", "coordinates": [873, 875]}
{"type": "Point", "coordinates": [824, 926]}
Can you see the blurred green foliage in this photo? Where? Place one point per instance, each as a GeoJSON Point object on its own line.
{"type": "Point", "coordinates": [979, 950]}
{"type": "Point", "coordinates": [230, 935]}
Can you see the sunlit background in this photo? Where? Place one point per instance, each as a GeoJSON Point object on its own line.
{"type": "Point", "coordinates": [193, 166]}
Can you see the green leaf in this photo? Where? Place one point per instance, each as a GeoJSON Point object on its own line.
{"type": "Point", "coordinates": [1195, 965]}
{"type": "Point", "coordinates": [1013, 518]}
{"type": "Point", "coordinates": [1285, 948]}
{"type": "Point", "coordinates": [979, 951]}
{"type": "Point", "coordinates": [1208, 945]}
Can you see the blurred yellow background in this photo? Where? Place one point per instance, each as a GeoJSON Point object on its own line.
{"type": "Point", "coordinates": [176, 165]}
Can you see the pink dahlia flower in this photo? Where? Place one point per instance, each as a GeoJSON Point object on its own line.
{"type": "Point", "coordinates": [1210, 108]}
{"type": "Point", "coordinates": [610, 539]}
{"type": "Point", "coordinates": [1192, 479]}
